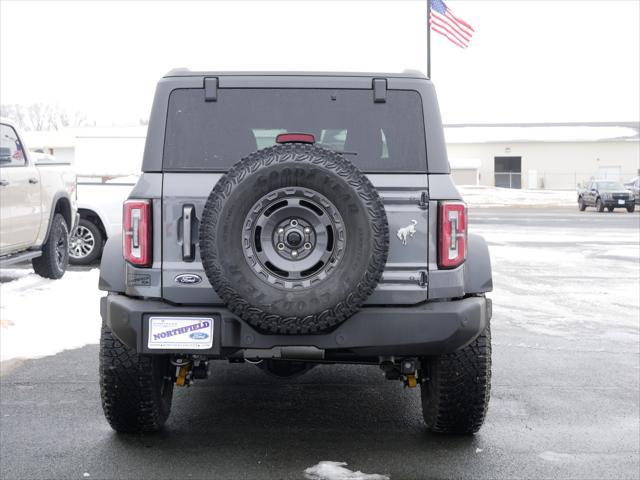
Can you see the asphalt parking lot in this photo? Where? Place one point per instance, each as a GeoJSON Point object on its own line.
{"type": "Point", "coordinates": [565, 397]}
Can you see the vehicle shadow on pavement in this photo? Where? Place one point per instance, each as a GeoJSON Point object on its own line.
{"type": "Point", "coordinates": [238, 423]}
{"type": "Point", "coordinates": [339, 413]}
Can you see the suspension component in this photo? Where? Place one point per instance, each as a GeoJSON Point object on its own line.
{"type": "Point", "coordinates": [406, 370]}
{"type": "Point", "coordinates": [182, 377]}
{"type": "Point", "coordinates": [188, 370]}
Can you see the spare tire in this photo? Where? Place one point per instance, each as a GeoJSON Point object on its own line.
{"type": "Point", "coordinates": [294, 238]}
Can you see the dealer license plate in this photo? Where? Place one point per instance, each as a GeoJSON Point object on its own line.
{"type": "Point", "coordinates": [620, 202]}
{"type": "Point", "coordinates": [180, 333]}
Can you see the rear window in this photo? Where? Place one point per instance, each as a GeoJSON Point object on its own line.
{"type": "Point", "coordinates": [376, 137]}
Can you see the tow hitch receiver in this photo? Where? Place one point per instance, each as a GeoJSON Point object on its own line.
{"type": "Point", "coordinates": [188, 370]}
{"type": "Point", "coordinates": [406, 370]}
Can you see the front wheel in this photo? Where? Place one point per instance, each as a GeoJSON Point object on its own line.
{"type": "Point", "coordinates": [581, 205]}
{"type": "Point", "coordinates": [136, 390]}
{"type": "Point", "coordinates": [456, 387]}
{"type": "Point", "coordinates": [631, 208]}
{"type": "Point", "coordinates": [85, 245]}
{"type": "Point", "coordinates": [55, 252]}
{"type": "Point", "coordinates": [599, 205]}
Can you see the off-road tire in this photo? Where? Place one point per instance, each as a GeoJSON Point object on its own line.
{"type": "Point", "coordinates": [55, 251]}
{"type": "Point", "coordinates": [599, 205]}
{"type": "Point", "coordinates": [304, 310]}
{"type": "Point", "coordinates": [455, 393]}
{"type": "Point", "coordinates": [631, 208]}
{"type": "Point", "coordinates": [581, 205]}
{"type": "Point", "coordinates": [98, 237]}
{"type": "Point", "coordinates": [136, 390]}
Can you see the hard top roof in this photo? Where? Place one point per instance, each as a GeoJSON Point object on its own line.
{"type": "Point", "coordinates": [185, 72]}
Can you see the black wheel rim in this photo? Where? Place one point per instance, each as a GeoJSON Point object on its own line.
{"type": "Point", "coordinates": [293, 238]}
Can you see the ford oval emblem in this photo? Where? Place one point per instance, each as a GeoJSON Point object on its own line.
{"type": "Point", "coordinates": [188, 279]}
{"type": "Point", "coordinates": [199, 335]}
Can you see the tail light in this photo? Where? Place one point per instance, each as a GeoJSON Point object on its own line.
{"type": "Point", "coordinates": [295, 137]}
{"type": "Point", "coordinates": [136, 234]}
{"type": "Point", "coordinates": [452, 234]}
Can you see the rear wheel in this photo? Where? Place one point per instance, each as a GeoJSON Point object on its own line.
{"type": "Point", "coordinates": [136, 390]}
{"type": "Point", "coordinates": [599, 205]}
{"type": "Point", "coordinates": [85, 245]}
{"type": "Point", "coordinates": [55, 252]}
{"type": "Point", "coordinates": [581, 205]}
{"type": "Point", "coordinates": [455, 393]}
{"type": "Point", "coordinates": [631, 208]}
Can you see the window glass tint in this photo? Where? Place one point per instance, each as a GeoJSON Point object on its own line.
{"type": "Point", "coordinates": [213, 136]}
{"type": "Point", "coordinates": [11, 153]}
{"type": "Point", "coordinates": [610, 186]}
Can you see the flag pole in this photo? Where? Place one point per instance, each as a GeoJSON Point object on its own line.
{"type": "Point", "coordinates": [429, 39]}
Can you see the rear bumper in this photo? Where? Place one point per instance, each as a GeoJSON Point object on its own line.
{"type": "Point", "coordinates": [428, 329]}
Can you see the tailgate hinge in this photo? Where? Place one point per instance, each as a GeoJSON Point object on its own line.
{"type": "Point", "coordinates": [424, 279]}
{"type": "Point", "coordinates": [379, 90]}
{"type": "Point", "coordinates": [211, 89]}
{"type": "Point", "coordinates": [423, 203]}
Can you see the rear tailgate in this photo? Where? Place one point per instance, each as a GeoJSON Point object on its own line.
{"type": "Point", "coordinates": [404, 280]}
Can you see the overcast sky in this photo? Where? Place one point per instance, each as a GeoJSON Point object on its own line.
{"type": "Point", "coordinates": [529, 61]}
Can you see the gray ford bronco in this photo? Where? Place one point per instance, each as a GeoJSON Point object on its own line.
{"type": "Point", "coordinates": [288, 220]}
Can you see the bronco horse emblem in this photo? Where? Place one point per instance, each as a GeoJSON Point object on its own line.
{"type": "Point", "coordinates": [408, 231]}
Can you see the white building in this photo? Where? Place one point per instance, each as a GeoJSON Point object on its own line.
{"type": "Point", "coordinates": [97, 151]}
{"type": "Point", "coordinates": [550, 156]}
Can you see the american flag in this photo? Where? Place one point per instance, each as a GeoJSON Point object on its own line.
{"type": "Point", "coordinates": [444, 22]}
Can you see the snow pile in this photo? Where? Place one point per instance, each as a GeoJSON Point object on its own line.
{"type": "Point", "coordinates": [481, 196]}
{"type": "Point", "coordinates": [327, 470]}
{"type": "Point", "coordinates": [40, 317]}
{"type": "Point", "coordinates": [563, 283]}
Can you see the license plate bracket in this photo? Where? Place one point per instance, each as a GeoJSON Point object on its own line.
{"type": "Point", "coordinates": [180, 333]}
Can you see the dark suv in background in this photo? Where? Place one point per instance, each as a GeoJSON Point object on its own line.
{"type": "Point", "coordinates": [289, 220]}
{"type": "Point", "coordinates": [634, 186]}
{"type": "Point", "coordinates": [607, 194]}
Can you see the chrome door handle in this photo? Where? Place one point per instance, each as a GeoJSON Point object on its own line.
{"type": "Point", "coordinates": [4, 183]}
{"type": "Point", "coordinates": [187, 242]}
{"type": "Point", "coordinates": [33, 181]}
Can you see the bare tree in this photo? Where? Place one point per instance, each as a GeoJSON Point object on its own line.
{"type": "Point", "coordinates": [42, 116]}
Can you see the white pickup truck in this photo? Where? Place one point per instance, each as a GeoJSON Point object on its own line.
{"type": "Point", "coordinates": [100, 199]}
{"type": "Point", "coordinates": [37, 207]}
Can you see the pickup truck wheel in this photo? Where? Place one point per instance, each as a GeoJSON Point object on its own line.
{"type": "Point", "coordinates": [294, 238]}
{"type": "Point", "coordinates": [455, 393]}
{"type": "Point", "coordinates": [55, 252]}
{"type": "Point", "coordinates": [85, 245]}
{"type": "Point", "coordinates": [599, 205]}
{"type": "Point", "coordinates": [581, 205]}
{"type": "Point", "coordinates": [631, 208]}
{"type": "Point", "coordinates": [136, 390]}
